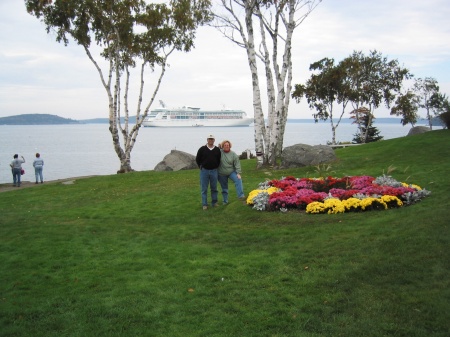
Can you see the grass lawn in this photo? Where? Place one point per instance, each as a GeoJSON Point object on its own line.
{"type": "Point", "coordinates": [135, 255]}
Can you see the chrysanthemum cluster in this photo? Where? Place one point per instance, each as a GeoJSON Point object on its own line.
{"type": "Point", "coordinates": [334, 195]}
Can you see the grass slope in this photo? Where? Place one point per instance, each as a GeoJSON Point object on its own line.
{"type": "Point", "coordinates": [135, 255]}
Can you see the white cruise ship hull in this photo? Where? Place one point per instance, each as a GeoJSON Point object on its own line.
{"type": "Point", "coordinates": [155, 122]}
{"type": "Point", "coordinates": [194, 117]}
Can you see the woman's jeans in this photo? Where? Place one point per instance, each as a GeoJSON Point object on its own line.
{"type": "Point", "coordinates": [208, 177]}
{"type": "Point", "coordinates": [16, 172]}
{"type": "Point", "coordinates": [223, 180]}
{"type": "Point", "coordinates": [38, 173]}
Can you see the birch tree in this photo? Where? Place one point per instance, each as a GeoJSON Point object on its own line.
{"type": "Point", "coordinates": [373, 80]}
{"type": "Point", "coordinates": [425, 89]}
{"type": "Point", "coordinates": [363, 81]}
{"type": "Point", "coordinates": [121, 38]}
{"type": "Point", "coordinates": [406, 106]}
{"type": "Point", "coordinates": [265, 28]}
{"type": "Point", "coordinates": [323, 91]}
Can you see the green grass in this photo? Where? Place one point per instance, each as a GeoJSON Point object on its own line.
{"type": "Point", "coordinates": [135, 255]}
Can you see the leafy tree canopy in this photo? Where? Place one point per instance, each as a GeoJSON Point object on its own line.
{"type": "Point", "coordinates": [362, 80]}
{"type": "Point", "coordinates": [127, 32]}
{"type": "Point", "coordinates": [132, 27]}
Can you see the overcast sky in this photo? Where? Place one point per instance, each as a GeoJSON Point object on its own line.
{"type": "Point", "coordinates": [39, 75]}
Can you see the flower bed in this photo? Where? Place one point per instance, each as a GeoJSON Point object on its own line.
{"type": "Point", "coordinates": [334, 195]}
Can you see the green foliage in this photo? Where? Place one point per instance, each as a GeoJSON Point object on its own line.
{"type": "Point", "coordinates": [323, 170]}
{"type": "Point", "coordinates": [367, 132]}
{"type": "Point", "coordinates": [445, 118]}
{"type": "Point", "coordinates": [135, 255]}
{"type": "Point", "coordinates": [406, 105]}
{"type": "Point", "coordinates": [323, 89]}
{"type": "Point", "coordinates": [130, 34]}
{"type": "Point", "coordinates": [441, 106]}
{"type": "Point", "coordinates": [131, 28]}
{"type": "Point", "coordinates": [359, 80]}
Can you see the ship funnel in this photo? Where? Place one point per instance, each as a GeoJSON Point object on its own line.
{"type": "Point", "coordinates": [162, 103]}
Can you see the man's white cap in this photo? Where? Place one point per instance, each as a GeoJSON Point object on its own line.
{"type": "Point", "coordinates": [211, 136]}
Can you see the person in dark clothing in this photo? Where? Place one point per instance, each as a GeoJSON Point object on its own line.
{"type": "Point", "coordinates": [208, 161]}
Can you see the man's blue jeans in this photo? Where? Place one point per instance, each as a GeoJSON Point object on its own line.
{"type": "Point", "coordinates": [208, 177]}
{"type": "Point", "coordinates": [223, 180]}
{"type": "Point", "coordinates": [16, 176]}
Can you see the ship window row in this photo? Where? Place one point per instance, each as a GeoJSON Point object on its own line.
{"type": "Point", "coordinates": [234, 114]}
{"type": "Point", "coordinates": [204, 117]}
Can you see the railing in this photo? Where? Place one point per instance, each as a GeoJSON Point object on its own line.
{"type": "Point", "coordinates": [338, 146]}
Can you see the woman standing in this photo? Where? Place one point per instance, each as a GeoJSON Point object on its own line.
{"type": "Point", "coordinates": [38, 164]}
{"type": "Point", "coordinates": [230, 168]}
{"type": "Point", "coordinates": [16, 168]}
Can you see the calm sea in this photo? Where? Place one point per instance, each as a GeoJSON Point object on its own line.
{"type": "Point", "coordinates": [87, 149]}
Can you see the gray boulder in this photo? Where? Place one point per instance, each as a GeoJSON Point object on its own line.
{"type": "Point", "coordinates": [306, 155]}
{"type": "Point", "coordinates": [418, 130]}
{"type": "Point", "coordinates": [176, 161]}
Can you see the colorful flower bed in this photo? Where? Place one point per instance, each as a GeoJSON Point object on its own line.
{"type": "Point", "coordinates": [334, 195]}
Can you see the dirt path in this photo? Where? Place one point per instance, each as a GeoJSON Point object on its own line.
{"type": "Point", "coordinates": [28, 184]}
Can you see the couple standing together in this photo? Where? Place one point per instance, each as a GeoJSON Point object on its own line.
{"type": "Point", "coordinates": [218, 164]}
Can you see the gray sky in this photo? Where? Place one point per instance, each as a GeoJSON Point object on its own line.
{"type": "Point", "coordinates": [39, 75]}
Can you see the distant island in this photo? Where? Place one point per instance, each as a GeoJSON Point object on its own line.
{"type": "Point", "coordinates": [47, 119]}
{"type": "Point", "coordinates": [36, 119]}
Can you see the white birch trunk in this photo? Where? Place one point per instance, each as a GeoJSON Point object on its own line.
{"type": "Point", "coordinates": [259, 122]}
{"type": "Point", "coordinates": [114, 116]}
{"type": "Point", "coordinates": [286, 77]}
{"type": "Point", "coordinates": [271, 136]}
{"type": "Point", "coordinates": [268, 140]}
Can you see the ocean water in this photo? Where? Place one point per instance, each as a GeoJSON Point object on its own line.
{"type": "Point", "coordinates": [87, 149]}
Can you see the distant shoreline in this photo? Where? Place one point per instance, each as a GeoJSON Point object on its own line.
{"type": "Point", "coordinates": [47, 119]}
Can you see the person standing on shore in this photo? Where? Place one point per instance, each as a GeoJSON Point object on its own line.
{"type": "Point", "coordinates": [208, 160]}
{"type": "Point", "coordinates": [38, 164]}
{"type": "Point", "coordinates": [16, 168]}
{"type": "Point", "coordinates": [230, 168]}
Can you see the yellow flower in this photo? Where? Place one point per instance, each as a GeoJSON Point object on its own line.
{"type": "Point", "coordinates": [315, 207]}
{"type": "Point", "coordinates": [331, 206]}
{"type": "Point", "coordinates": [388, 198]}
{"type": "Point", "coordinates": [352, 203]}
{"type": "Point", "coordinates": [254, 193]}
{"type": "Point", "coordinates": [334, 206]}
{"type": "Point", "coordinates": [367, 202]}
{"type": "Point", "coordinates": [416, 187]}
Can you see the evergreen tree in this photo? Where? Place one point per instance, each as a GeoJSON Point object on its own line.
{"type": "Point", "coordinates": [367, 133]}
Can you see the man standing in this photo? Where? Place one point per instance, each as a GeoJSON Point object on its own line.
{"type": "Point", "coordinates": [208, 160]}
{"type": "Point", "coordinates": [16, 168]}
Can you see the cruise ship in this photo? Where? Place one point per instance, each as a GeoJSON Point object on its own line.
{"type": "Point", "coordinates": [191, 117]}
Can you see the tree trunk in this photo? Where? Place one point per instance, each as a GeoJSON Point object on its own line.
{"type": "Point", "coordinates": [260, 125]}
{"type": "Point", "coordinates": [430, 122]}
{"type": "Point", "coordinates": [281, 14]}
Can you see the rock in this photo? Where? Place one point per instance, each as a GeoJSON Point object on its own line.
{"type": "Point", "coordinates": [176, 161]}
{"type": "Point", "coordinates": [306, 155]}
{"type": "Point", "coordinates": [418, 130]}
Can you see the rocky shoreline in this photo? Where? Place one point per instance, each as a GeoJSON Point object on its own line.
{"type": "Point", "coordinates": [26, 184]}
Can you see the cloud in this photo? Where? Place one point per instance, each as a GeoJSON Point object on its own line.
{"type": "Point", "coordinates": [40, 75]}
